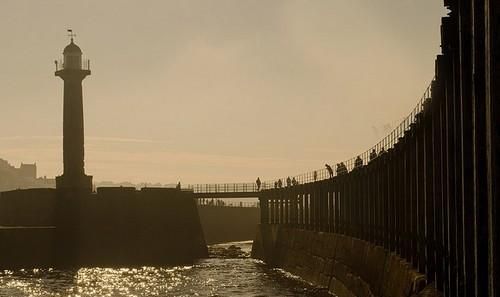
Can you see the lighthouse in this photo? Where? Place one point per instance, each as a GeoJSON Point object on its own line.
{"type": "Point", "coordinates": [72, 70]}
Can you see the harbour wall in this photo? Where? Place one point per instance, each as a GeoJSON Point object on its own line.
{"type": "Point", "coordinates": [113, 227]}
{"type": "Point", "coordinates": [346, 266]}
{"type": "Point", "coordinates": [227, 224]}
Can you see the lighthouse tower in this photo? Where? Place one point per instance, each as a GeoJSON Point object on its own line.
{"type": "Point", "coordinates": [72, 70]}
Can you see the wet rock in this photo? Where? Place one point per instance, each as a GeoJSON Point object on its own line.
{"type": "Point", "coordinates": [227, 252]}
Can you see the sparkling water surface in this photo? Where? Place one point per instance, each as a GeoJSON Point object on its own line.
{"type": "Point", "coordinates": [220, 276]}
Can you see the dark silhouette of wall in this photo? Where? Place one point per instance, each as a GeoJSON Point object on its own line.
{"type": "Point", "coordinates": [113, 227]}
{"type": "Point", "coordinates": [29, 207]}
{"type": "Point", "coordinates": [226, 224]}
{"type": "Point", "coordinates": [25, 247]}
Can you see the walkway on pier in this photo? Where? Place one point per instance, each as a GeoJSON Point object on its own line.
{"type": "Point", "coordinates": [235, 190]}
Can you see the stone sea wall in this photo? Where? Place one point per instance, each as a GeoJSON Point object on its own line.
{"type": "Point", "coordinates": [28, 207]}
{"type": "Point", "coordinates": [346, 266]}
{"type": "Point", "coordinates": [113, 227]}
{"type": "Point", "coordinates": [227, 224]}
{"type": "Point", "coordinates": [21, 247]}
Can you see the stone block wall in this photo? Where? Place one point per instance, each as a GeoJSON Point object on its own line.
{"type": "Point", "coordinates": [347, 266]}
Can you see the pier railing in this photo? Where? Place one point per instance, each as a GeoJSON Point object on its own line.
{"type": "Point", "coordinates": [223, 188]}
{"type": "Point", "coordinates": [226, 203]}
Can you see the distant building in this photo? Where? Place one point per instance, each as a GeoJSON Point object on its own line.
{"type": "Point", "coordinates": [28, 170]}
{"type": "Point", "coordinates": [24, 177]}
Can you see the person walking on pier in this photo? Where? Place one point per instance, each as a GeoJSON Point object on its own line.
{"type": "Point", "coordinates": [358, 163]}
{"type": "Point", "coordinates": [280, 183]}
{"type": "Point", "coordinates": [341, 168]}
{"type": "Point", "coordinates": [315, 175]}
{"type": "Point", "coordinates": [294, 182]}
{"type": "Point", "coordinates": [258, 183]}
{"type": "Point", "coordinates": [288, 182]}
{"type": "Point", "coordinates": [344, 168]}
{"type": "Point", "coordinates": [330, 170]}
{"type": "Point", "coordinates": [373, 155]}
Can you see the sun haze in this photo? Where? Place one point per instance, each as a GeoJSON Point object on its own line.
{"type": "Point", "coordinates": [214, 91]}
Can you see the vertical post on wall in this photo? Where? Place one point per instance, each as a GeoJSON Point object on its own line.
{"type": "Point", "coordinates": [398, 186]}
{"type": "Point", "coordinates": [312, 208]}
{"type": "Point", "coordinates": [305, 202]}
{"type": "Point", "coordinates": [390, 198]}
{"type": "Point", "coordinates": [366, 207]}
{"type": "Point", "coordinates": [335, 206]}
{"type": "Point", "coordinates": [449, 41]}
{"type": "Point", "coordinates": [405, 212]}
{"type": "Point", "coordinates": [286, 202]}
{"type": "Point", "coordinates": [264, 209]}
{"type": "Point", "coordinates": [437, 114]}
{"type": "Point", "coordinates": [300, 202]}
{"type": "Point", "coordinates": [271, 206]}
{"type": "Point", "coordinates": [429, 191]}
{"type": "Point", "coordinates": [465, 166]}
{"type": "Point", "coordinates": [377, 174]}
{"type": "Point", "coordinates": [385, 200]}
{"type": "Point", "coordinates": [420, 194]}
{"type": "Point", "coordinates": [412, 170]}
{"type": "Point", "coordinates": [294, 207]}
{"type": "Point", "coordinates": [492, 107]}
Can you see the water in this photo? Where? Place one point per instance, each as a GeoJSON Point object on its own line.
{"type": "Point", "coordinates": [230, 272]}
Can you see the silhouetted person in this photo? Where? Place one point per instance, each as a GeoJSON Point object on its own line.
{"type": "Point", "coordinates": [276, 184]}
{"type": "Point", "coordinates": [358, 163]}
{"type": "Point", "coordinates": [258, 183]}
{"type": "Point", "coordinates": [288, 182]}
{"type": "Point", "coordinates": [315, 175]}
{"type": "Point", "coordinates": [344, 168]}
{"type": "Point", "coordinates": [294, 182]}
{"type": "Point", "coordinates": [330, 170]}
{"type": "Point", "coordinates": [382, 151]}
{"type": "Point", "coordinates": [341, 169]}
{"type": "Point", "coordinates": [373, 155]}
{"type": "Point", "coordinates": [280, 183]}
{"type": "Point", "coordinates": [178, 187]}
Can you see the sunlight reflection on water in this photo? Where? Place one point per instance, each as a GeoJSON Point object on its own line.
{"type": "Point", "coordinates": [208, 277]}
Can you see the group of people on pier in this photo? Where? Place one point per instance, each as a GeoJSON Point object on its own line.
{"type": "Point", "coordinates": [279, 183]}
{"type": "Point", "coordinates": [341, 169]}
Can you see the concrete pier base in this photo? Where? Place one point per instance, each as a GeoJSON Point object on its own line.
{"type": "Point", "coordinates": [347, 266]}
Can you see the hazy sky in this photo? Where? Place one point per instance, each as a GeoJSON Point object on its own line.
{"type": "Point", "coordinates": [214, 91]}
